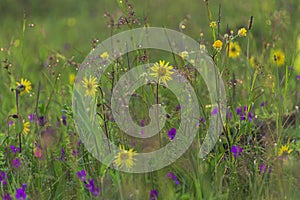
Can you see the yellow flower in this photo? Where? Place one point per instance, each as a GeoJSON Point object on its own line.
{"type": "Point", "coordinates": [184, 54]}
{"type": "Point", "coordinates": [162, 71]}
{"type": "Point", "coordinates": [213, 24]}
{"type": "Point", "coordinates": [71, 78]}
{"type": "Point", "coordinates": [218, 45]}
{"type": "Point", "coordinates": [253, 61]}
{"type": "Point", "coordinates": [242, 32]}
{"type": "Point", "coordinates": [104, 55]}
{"type": "Point", "coordinates": [90, 86]}
{"type": "Point", "coordinates": [233, 50]}
{"type": "Point", "coordinates": [26, 127]}
{"type": "Point", "coordinates": [125, 157]}
{"type": "Point", "coordinates": [284, 150]}
{"type": "Point", "coordinates": [23, 86]}
{"type": "Point", "coordinates": [278, 57]}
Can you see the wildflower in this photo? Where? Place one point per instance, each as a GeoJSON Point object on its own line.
{"type": "Point", "coordinates": [21, 194]}
{"type": "Point", "coordinates": [253, 61]}
{"type": "Point", "coordinates": [125, 157]}
{"type": "Point", "coordinates": [237, 151]}
{"type": "Point", "coordinates": [23, 86]}
{"type": "Point", "coordinates": [172, 176]}
{"type": "Point", "coordinates": [41, 120]}
{"type": "Point", "coordinates": [215, 111]}
{"type": "Point", "coordinates": [233, 50]}
{"type": "Point", "coordinates": [213, 24]}
{"type": "Point", "coordinates": [16, 163]}
{"type": "Point", "coordinates": [93, 189]}
{"type": "Point", "coordinates": [278, 57]}
{"type": "Point", "coordinates": [63, 154]}
{"type": "Point", "coordinates": [284, 151]}
{"type": "Point", "coordinates": [172, 133]}
{"type": "Point", "coordinates": [104, 55]}
{"type": "Point", "coordinates": [38, 152]}
{"type": "Point", "coordinates": [250, 116]}
{"type": "Point", "coordinates": [7, 197]}
{"type": "Point", "coordinates": [298, 77]}
{"type": "Point", "coordinates": [262, 104]}
{"type": "Point", "coordinates": [242, 32]}
{"type": "Point", "coordinates": [153, 195]}
{"type": "Point", "coordinates": [162, 71]}
{"type": "Point", "coordinates": [82, 175]}
{"type": "Point", "coordinates": [184, 54]}
{"type": "Point", "coordinates": [218, 45]}
{"type": "Point", "coordinates": [263, 168]}
{"type": "Point", "coordinates": [31, 117]}
{"type": "Point", "coordinates": [3, 178]}
{"type": "Point", "coordinates": [26, 127]}
{"type": "Point", "coordinates": [14, 149]}
{"type": "Point", "coordinates": [64, 120]}
{"type": "Point", "coordinates": [71, 78]}
{"type": "Point", "coordinates": [90, 85]}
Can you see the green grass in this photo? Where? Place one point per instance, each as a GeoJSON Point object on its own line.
{"type": "Point", "coordinates": [64, 32]}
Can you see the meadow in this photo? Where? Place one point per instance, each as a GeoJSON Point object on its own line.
{"type": "Point", "coordinates": [254, 45]}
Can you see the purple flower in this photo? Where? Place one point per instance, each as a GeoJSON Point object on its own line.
{"type": "Point", "coordinates": [214, 111]}
{"type": "Point", "coordinates": [21, 194]}
{"type": "Point", "coordinates": [239, 111]}
{"type": "Point", "coordinates": [172, 133]}
{"type": "Point", "coordinates": [63, 153]}
{"type": "Point", "coordinates": [16, 163]}
{"type": "Point", "coordinates": [14, 149]}
{"type": "Point", "coordinates": [41, 120]}
{"type": "Point", "coordinates": [236, 150]}
{"type": "Point", "coordinates": [262, 104]}
{"type": "Point", "coordinates": [91, 186]}
{"type": "Point", "coordinates": [263, 168]}
{"type": "Point", "coordinates": [298, 77]}
{"type": "Point", "coordinates": [153, 195]}
{"type": "Point", "coordinates": [250, 116]}
{"type": "Point", "coordinates": [31, 117]}
{"type": "Point", "coordinates": [242, 117]}
{"type": "Point", "coordinates": [10, 123]}
{"type": "Point", "coordinates": [172, 176]}
{"type": "Point", "coordinates": [82, 175]}
{"type": "Point", "coordinates": [64, 120]}
{"type": "Point", "coordinates": [7, 197]}
{"type": "Point", "coordinates": [228, 115]}
{"type": "Point", "coordinates": [3, 178]}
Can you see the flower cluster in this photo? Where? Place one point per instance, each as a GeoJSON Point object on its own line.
{"type": "Point", "coordinates": [90, 184]}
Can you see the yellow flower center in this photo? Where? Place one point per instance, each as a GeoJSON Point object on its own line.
{"type": "Point", "coordinates": [162, 71]}
{"type": "Point", "coordinates": [124, 156]}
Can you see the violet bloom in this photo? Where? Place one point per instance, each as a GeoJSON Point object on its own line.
{"type": "Point", "coordinates": [263, 168]}
{"type": "Point", "coordinates": [31, 117]}
{"type": "Point", "coordinates": [14, 149]}
{"type": "Point", "coordinates": [93, 189]}
{"type": "Point", "coordinates": [41, 120]}
{"type": "Point", "coordinates": [239, 111]}
{"type": "Point", "coordinates": [215, 111]}
{"type": "Point", "coordinates": [250, 116]}
{"type": "Point", "coordinates": [262, 104]}
{"type": "Point", "coordinates": [172, 176]}
{"type": "Point", "coordinates": [16, 163]}
{"type": "Point", "coordinates": [21, 194]}
{"type": "Point", "coordinates": [153, 195]}
{"type": "Point", "coordinates": [63, 154]}
{"type": "Point", "coordinates": [172, 133]}
{"type": "Point", "coordinates": [7, 197]}
{"type": "Point", "coordinates": [64, 120]}
{"type": "Point", "coordinates": [3, 178]}
{"type": "Point", "coordinates": [82, 175]}
{"type": "Point", "coordinates": [298, 77]}
{"type": "Point", "coordinates": [237, 151]}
